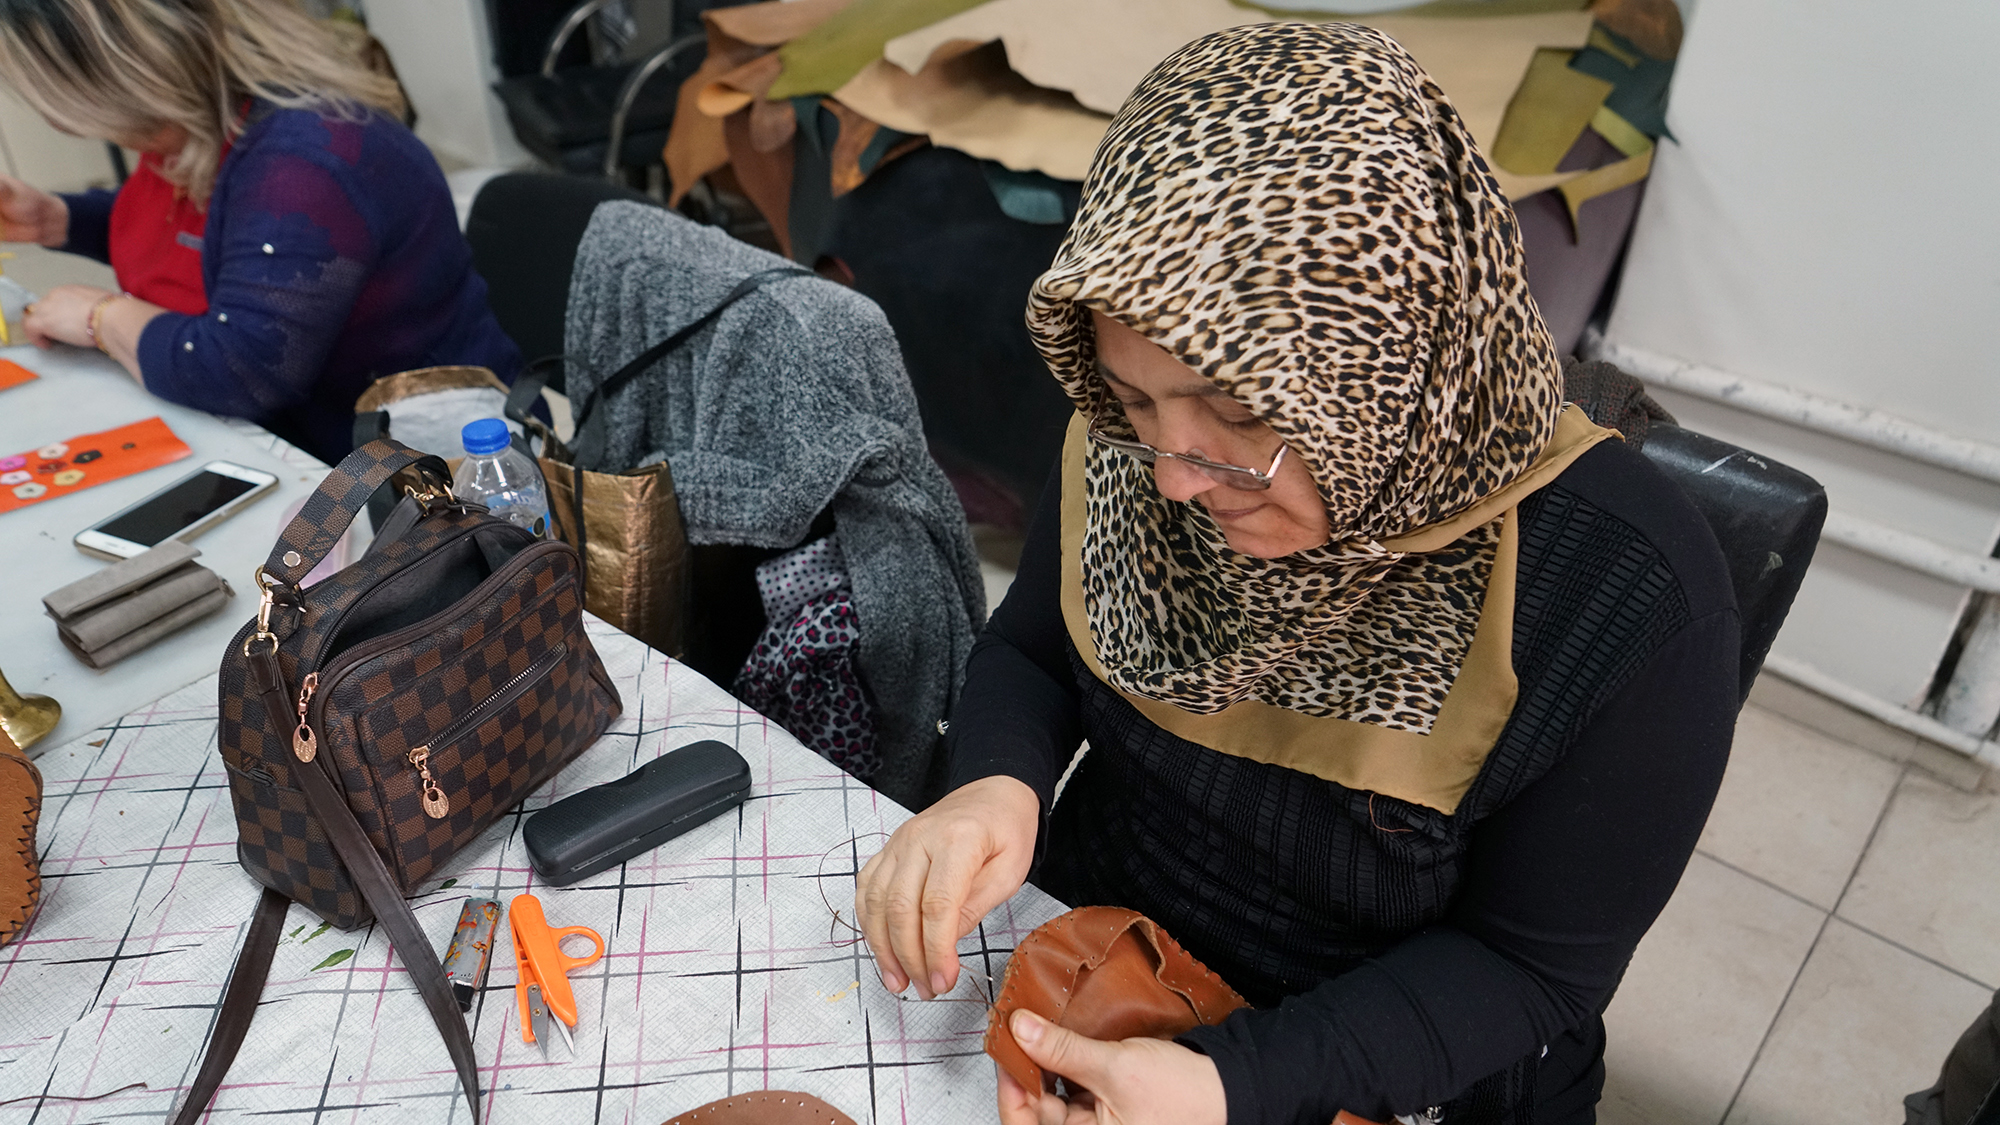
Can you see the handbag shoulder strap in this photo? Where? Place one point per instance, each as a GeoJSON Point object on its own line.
{"type": "Point", "coordinates": [337, 500]}
{"type": "Point", "coordinates": [239, 1004]}
{"type": "Point", "coordinates": [587, 444]}
{"type": "Point", "coordinates": [378, 888]}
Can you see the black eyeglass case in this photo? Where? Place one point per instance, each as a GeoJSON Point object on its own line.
{"type": "Point", "coordinates": [605, 825]}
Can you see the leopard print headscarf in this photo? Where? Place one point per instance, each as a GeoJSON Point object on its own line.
{"type": "Point", "coordinates": [1296, 212]}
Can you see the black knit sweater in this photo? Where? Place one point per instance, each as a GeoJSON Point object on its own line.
{"type": "Point", "coordinates": [1401, 959]}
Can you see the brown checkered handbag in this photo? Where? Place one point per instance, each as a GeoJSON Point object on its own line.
{"type": "Point", "coordinates": [376, 722]}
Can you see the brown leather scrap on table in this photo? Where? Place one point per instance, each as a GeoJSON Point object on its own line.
{"type": "Point", "coordinates": [1106, 973]}
{"type": "Point", "coordinates": [765, 1107]}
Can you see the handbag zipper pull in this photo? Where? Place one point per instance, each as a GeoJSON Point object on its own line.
{"type": "Point", "coordinates": [436, 804]}
{"type": "Point", "coordinates": [304, 743]}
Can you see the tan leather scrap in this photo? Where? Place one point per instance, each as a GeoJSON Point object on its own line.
{"type": "Point", "coordinates": [765, 1107]}
{"type": "Point", "coordinates": [1105, 973]}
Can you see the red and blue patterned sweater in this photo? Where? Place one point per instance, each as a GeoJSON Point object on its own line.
{"type": "Point", "coordinates": [331, 257]}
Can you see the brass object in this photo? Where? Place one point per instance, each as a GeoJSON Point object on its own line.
{"type": "Point", "coordinates": [26, 718]}
{"type": "Point", "coordinates": [265, 585]}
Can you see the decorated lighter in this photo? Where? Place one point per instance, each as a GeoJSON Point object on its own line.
{"type": "Point", "coordinates": [471, 947]}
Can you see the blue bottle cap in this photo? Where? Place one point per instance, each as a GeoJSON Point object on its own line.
{"type": "Point", "coordinates": [488, 435]}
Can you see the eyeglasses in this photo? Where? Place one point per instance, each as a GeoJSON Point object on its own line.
{"type": "Point", "coordinates": [1232, 476]}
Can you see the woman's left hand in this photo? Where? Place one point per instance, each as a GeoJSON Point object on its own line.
{"type": "Point", "coordinates": [1131, 1082]}
{"type": "Point", "coordinates": [63, 315]}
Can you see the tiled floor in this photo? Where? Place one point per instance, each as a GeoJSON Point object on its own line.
{"type": "Point", "coordinates": [1837, 929]}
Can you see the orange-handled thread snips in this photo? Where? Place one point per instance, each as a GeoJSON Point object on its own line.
{"type": "Point", "coordinates": [543, 984]}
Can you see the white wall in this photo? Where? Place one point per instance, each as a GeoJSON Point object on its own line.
{"type": "Point", "coordinates": [31, 149]}
{"type": "Point", "coordinates": [442, 53]}
{"type": "Point", "coordinates": [1830, 220]}
{"type": "Point", "coordinates": [444, 56]}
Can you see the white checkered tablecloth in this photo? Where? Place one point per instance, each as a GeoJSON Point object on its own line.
{"type": "Point", "coordinates": [724, 973]}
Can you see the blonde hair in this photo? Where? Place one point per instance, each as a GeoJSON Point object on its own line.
{"type": "Point", "coordinates": [122, 69]}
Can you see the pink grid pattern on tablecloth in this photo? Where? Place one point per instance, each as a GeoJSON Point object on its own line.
{"type": "Point", "coordinates": [724, 971]}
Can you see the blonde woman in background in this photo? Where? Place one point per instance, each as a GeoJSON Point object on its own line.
{"type": "Point", "coordinates": [285, 239]}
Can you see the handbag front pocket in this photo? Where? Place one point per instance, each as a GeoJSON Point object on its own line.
{"type": "Point", "coordinates": [436, 802]}
{"type": "Point", "coordinates": [440, 749]}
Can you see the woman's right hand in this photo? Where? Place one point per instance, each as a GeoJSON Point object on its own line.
{"type": "Point", "coordinates": [939, 875]}
{"type": "Point", "coordinates": [29, 214]}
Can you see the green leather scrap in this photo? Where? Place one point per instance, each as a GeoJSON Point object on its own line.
{"type": "Point", "coordinates": [1028, 197]}
{"type": "Point", "coordinates": [1623, 135]}
{"type": "Point", "coordinates": [1602, 181]}
{"type": "Point", "coordinates": [1639, 83]}
{"type": "Point", "coordinates": [1553, 106]}
{"type": "Point", "coordinates": [823, 59]}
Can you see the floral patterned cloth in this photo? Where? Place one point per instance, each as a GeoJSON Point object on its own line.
{"type": "Point", "coordinates": [802, 673]}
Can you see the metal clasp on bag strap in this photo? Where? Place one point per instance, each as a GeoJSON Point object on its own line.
{"type": "Point", "coordinates": [266, 599]}
{"type": "Point", "coordinates": [434, 494]}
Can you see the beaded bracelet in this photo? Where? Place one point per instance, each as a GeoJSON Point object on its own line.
{"type": "Point", "coordinates": [97, 314]}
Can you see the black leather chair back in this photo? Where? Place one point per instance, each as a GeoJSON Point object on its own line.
{"type": "Point", "coordinates": [524, 229]}
{"type": "Point", "coordinates": [1766, 515]}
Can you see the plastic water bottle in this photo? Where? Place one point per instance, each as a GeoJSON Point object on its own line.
{"type": "Point", "coordinates": [501, 477]}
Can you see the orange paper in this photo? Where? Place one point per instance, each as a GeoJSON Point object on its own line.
{"type": "Point", "coordinates": [13, 374]}
{"type": "Point", "coordinates": [63, 467]}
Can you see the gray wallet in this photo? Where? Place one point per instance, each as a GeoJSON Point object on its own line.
{"type": "Point", "coordinates": [128, 605]}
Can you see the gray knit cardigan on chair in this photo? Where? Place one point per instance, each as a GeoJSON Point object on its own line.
{"type": "Point", "coordinates": [794, 400]}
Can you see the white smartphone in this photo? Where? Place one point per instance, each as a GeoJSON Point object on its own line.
{"type": "Point", "coordinates": [181, 510]}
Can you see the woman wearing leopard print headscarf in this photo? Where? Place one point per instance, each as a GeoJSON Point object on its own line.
{"type": "Point", "coordinates": [1406, 691]}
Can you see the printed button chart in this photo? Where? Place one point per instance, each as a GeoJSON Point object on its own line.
{"type": "Point", "coordinates": [43, 474]}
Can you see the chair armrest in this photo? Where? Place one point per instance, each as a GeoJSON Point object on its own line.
{"type": "Point", "coordinates": [634, 83]}
{"type": "Point", "coordinates": [567, 28]}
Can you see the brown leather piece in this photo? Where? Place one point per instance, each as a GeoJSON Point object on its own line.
{"type": "Point", "coordinates": [766, 177]}
{"type": "Point", "coordinates": [20, 865]}
{"type": "Point", "coordinates": [736, 36]}
{"type": "Point", "coordinates": [1105, 973]}
{"type": "Point", "coordinates": [856, 132]}
{"type": "Point", "coordinates": [765, 1107]}
{"type": "Point", "coordinates": [1653, 26]}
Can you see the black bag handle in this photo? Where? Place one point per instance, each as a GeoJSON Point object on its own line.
{"type": "Point", "coordinates": [338, 499]}
{"type": "Point", "coordinates": [586, 448]}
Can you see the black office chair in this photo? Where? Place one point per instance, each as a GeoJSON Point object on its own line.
{"type": "Point", "coordinates": [1766, 515]}
{"type": "Point", "coordinates": [595, 119]}
{"type": "Point", "coordinates": [926, 240]}
{"type": "Point", "coordinates": [524, 229]}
